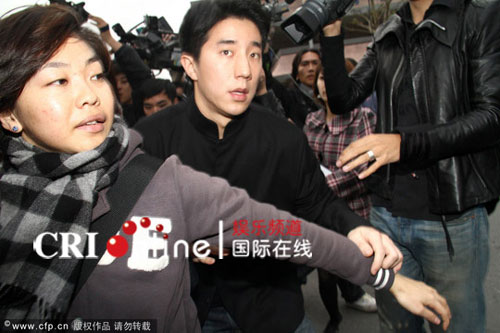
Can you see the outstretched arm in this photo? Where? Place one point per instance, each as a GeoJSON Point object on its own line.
{"type": "Point", "coordinates": [206, 200]}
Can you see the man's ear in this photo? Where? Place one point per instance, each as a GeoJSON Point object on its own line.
{"type": "Point", "coordinates": [9, 122]}
{"type": "Point", "coordinates": [189, 65]}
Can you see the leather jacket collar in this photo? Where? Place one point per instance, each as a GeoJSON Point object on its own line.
{"type": "Point", "coordinates": [442, 22]}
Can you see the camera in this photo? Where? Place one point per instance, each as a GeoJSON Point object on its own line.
{"type": "Point", "coordinates": [275, 9]}
{"type": "Point", "coordinates": [150, 44]}
{"type": "Point", "coordinates": [78, 7]}
{"type": "Point", "coordinates": [312, 16]}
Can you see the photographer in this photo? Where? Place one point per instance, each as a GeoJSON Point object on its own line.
{"type": "Point", "coordinates": [157, 94]}
{"type": "Point", "coordinates": [435, 161]}
{"type": "Point", "coordinates": [304, 69]}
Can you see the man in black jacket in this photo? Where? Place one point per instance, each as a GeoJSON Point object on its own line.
{"type": "Point", "coordinates": [435, 68]}
{"type": "Point", "coordinates": [217, 131]}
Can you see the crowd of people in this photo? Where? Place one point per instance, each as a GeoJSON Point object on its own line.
{"type": "Point", "coordinates": [377, 173]}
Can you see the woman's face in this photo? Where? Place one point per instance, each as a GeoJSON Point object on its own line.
{"type": "Point", "coordinates": [321, 87]}
{"type": "Point", "coordinates": [67, 106]}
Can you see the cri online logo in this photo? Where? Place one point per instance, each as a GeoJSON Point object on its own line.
{"type": "Point", "coordinates": [117, 246]}
{"type": "Point", "coordinates": [143, 238]}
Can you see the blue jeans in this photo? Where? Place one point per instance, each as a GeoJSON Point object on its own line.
{"type": "Point", "coordinates": [426, 258]}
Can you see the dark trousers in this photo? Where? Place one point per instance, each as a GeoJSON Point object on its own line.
{"type": "Point", "coordinates": [328, 292]}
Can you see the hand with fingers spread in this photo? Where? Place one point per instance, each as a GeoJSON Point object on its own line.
{"type": "Point", "coordinates": [421, 300]}
{"type": "Point", "coordinates": [372, 242]}
{"type": "Point", "coordinates": [379, 149]}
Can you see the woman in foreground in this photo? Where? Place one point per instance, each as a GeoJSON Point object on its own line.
{"type": "Point", "coordinates": [64, 148]}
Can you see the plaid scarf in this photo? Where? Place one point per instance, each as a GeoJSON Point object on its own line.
{"type": "Point", "coordinates": [48, 192]}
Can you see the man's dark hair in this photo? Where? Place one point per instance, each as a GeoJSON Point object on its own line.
{"type": "Point", "coordinates": [298, 58]}
{"type": "Point", "coordinates": [29, 38]}
{"type": "Point", "coordinates": [204, 15]}
{"type": "Point", "coordinates": [152, 87]}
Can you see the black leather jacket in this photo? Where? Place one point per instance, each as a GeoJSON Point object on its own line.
{"type": "Point", "coordinates": [455, 69]}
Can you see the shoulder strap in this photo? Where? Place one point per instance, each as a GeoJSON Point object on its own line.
{"type": "Point", "coordinates": [135, 175]}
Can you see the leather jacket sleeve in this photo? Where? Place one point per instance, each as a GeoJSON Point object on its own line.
{"type": "Point", "coordinates": [479, 127]}
{"type": "Point", "coordinates": [346, 92]}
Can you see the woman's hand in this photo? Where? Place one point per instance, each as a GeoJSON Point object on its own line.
{"type": "Point", "coordinates": [381, 149]}
{"type": "Point", "coordinates": [421, 300]}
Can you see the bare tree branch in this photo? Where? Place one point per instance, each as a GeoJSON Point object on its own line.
{"type": "Point", "coordinates": [368, 22]}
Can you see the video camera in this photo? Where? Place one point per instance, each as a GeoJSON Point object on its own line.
{"type": "Point", "coordinates": [150, 44]}
{"type": "Point", "coordinates": [275, 9]}
{"type": "Point", "coordinates": [312, 16]}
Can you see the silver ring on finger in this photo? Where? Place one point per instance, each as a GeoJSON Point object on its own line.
{"type": "Point", "coordinates": [371, 156]}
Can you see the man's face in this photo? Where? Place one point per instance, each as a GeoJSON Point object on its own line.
{"type": "Point", "coordinates": [308, 66]}
{"type": "Point", "coordinates": [227, 72]}
{"type": "Point", "coordinates": [155, 103]}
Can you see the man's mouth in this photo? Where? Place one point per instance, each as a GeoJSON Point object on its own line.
{"type": "Point", "coordinates": [239, 94]}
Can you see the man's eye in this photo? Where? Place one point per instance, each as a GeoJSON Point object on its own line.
{"type": "Point", "coordinates": [227, 52]}
{"type": "Point", "coordinates": [255, 55]}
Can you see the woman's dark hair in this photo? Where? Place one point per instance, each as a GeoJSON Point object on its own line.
{"type": "Point", "coordinates": [298, 58]}
{"type": "Point", "coordinates": [350, 64]}
{"type": "Point", "coordinates": [315, 87]}
{"type": "Point", "coordinates": [204, 15]}
{"type": "Point", "coordinates": [29, 38]}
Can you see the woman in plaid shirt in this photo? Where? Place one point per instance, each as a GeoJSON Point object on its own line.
{"type": "Point", "coordinates": [328, 135]}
